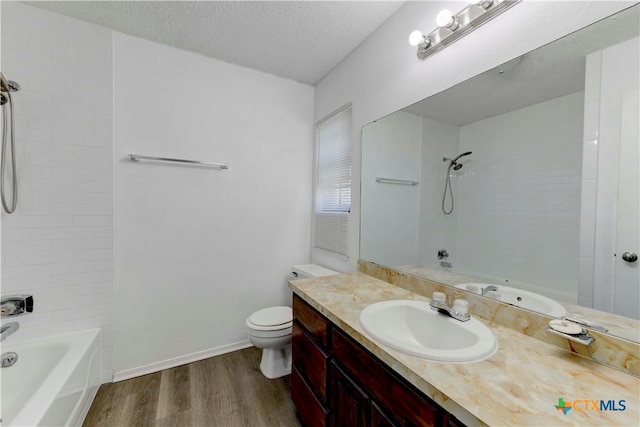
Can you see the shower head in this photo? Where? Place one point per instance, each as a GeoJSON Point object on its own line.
{"type": "Point", "coordinates": [454, 162]}
{"type": "Point", "coordinates": [8, 85]}
{"type": "Point", "coordinates": [461, 155]}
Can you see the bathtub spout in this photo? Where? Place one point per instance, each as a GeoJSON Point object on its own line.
{"type": "Point", "coordinates": [8, 329]}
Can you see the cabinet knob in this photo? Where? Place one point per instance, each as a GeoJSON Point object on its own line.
{"type": "Point", "coordinates": [629, 257]}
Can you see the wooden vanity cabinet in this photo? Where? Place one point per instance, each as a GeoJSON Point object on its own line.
{"type": "Point", "coordinates": [336, 382]}
{"type": "Point", "coordinates": [310, 364]}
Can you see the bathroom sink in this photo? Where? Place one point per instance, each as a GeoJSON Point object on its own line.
{"type": "Point", "coordinates": [519, 298]}
{"type": "Point", "coordinates": [413, 327]}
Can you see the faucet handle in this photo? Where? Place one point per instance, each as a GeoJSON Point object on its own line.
{"type": "Point", "coordinates": [439, 297]}
{"type": "Point", "coordinates": [461, 306]}
{"type": "Point", "coordinates": [15, 305]}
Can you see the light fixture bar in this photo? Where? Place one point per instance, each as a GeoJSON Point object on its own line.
{"type": "Point", "coordinates": [467, 20]}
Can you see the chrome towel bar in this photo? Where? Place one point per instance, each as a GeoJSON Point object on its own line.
{"type": "Point", "coordinates": [136, 157]}
{"type": "Point", "coordinates": [396, 181]}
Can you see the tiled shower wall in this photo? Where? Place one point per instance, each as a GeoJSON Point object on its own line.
{"type": "Point", "coordinates": [519, 204]}
{"type": "Point", "coordinates": [58, 244]}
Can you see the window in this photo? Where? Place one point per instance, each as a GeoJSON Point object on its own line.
{"type": "Point", "coordinates": [333, 181]}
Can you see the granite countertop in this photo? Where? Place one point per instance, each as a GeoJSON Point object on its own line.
{"type": "Point", "coordinates": [518, 386]}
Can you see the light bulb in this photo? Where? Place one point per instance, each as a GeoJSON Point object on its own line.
{"type": "Point", "coordinates": [415, 38]}
{"type": "Point", "coordinates": [444, 18]}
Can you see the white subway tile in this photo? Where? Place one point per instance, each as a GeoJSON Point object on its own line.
{"type": "Point", "coordinates": [58, 244]}
{"type": "Point", "coordinates": [103, 232]}
{"type": "Point", "coordinates": [58, 268]}
{"type": "Point", "coordinates": [82, 209]}
{"type": "Point", "coordinates": [82, 312]}
{"type": "Point", "coordinates": [93, 255]}
{"type": "Point", "coordinates": [14, 234]}
{"type": "Point", "coordinates": [103, 198]}
{"type": "Point", "coordinates": [38, 135]}
{"type": "Point", "coordinates": [60, 233]}
{"type": "Point", "coordinates": [103, 187]}
{"type": "Point", "coordinates": [95, 152]}
{"type": "Point", "coordinates": [36, 221]}
{"type": "Point", "coordinates": [76, 244]}
{"type": "Point", "coordinates": [53, 292]}
{"type": "Point", "coordinates": [94, 322]}
{"type": "Point", "coordinates": [17, 259]}
{"type": "Point", "coordinates": [82, 175]}
{"type": "Point", "coordinates": [105, 265]}
{"type": "Point", "coordinates": [92, 221]}
{"type": "Point", "coordinates": [52, 161]}
{"type": "Point", "coordinates": [104, 298]}
{"type": "Point", "coordinates": [23, 283]}
{"type": "Point", "coordinates": [56, 198]}
{"type": "Point", "coordinates": [37, 172]}
{"type": "Point", "coordinates": [36, 184]}
{"type": "Point", "coordinates": [94, 288]}
{"type": "Point", "coordinates": [82, 278]}
{"type": "Point", "coordinates": [26, 246]}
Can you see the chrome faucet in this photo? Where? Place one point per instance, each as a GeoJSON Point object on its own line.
{"type": "Point", "coordinates": [488, 289]}
{"type": "Point", "coordinates": [16, 305]}
{"type": "Point", "coordinates": [8, 329]}
{"type": "Point", "coordinates": [459, 311]}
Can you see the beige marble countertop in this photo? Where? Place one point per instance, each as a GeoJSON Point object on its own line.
{"type": "Point", "coordinates": [619, 326]}
{"type": "Point", "coordinates": [517, 386]}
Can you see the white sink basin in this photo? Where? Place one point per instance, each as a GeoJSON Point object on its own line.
{"type": "Point", "coordinates": [413, 327]}
{"type": "Point", "coordinates": [519, 298]}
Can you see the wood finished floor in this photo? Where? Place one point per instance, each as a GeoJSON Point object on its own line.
{"type": "Point", "coordinates": [227, 390]}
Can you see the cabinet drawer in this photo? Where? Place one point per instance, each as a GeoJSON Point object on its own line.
{"type": "Point", "coordinates": [315, 323]}
{"type": "Point", "coordinates": [310, 361]}
{"type": "Point", "coordinates": [384, 386]}
{"type": "Point", "coordinates": [311, 412]}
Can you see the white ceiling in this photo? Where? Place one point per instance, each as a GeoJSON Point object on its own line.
{"type": "Point", "coordinates": [298, 40]}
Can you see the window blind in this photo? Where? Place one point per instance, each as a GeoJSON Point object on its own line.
{"type": "Point", "coordinates": [333, 182]}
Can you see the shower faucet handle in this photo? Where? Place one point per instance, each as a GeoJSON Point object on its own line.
{"type": "Point", "coordinates": [16, 305]}
{"type": "Point", "coordinates": [442, 253]}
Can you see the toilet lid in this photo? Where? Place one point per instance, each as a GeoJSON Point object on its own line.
{"type": "Point", "coordinates": [272, 316]}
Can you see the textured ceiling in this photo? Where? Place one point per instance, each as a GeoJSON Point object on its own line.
{"type": "Point", "coordinates": [552, 71]}
{"type": "Point", "coordinates": [298, 40]}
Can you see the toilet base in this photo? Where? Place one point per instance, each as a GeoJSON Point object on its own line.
{"type": "Point", "coordinates": [276, 362]}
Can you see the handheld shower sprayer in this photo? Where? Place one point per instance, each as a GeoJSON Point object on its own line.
{"type": "Point", "coordinates": [453, 163]}
{"type": "Point", "coordinates": [8, 140]}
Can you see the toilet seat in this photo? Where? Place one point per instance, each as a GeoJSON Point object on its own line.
{"type": "Point", "coordinates": [271, 319]}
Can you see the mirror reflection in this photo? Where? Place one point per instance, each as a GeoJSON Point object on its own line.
{"type": "Point", "coordinates": [520, 184]}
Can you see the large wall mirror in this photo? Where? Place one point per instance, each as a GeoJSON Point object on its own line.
{"type": "Point", "coordinates": [524, 177]}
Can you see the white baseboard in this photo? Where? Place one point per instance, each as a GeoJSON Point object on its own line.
{"type": "Point", "coordinates": [177, 361]}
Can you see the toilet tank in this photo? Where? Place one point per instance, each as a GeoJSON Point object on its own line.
{"type": "Point", "coordinates": [311, 270]}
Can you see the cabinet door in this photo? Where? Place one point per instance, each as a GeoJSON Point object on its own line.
{"type": "Point", "coordinates": [384, 386]}
{"type": "Point", "coordinates": [310, 410]}
{"type": "Point", "coordinates": [349, 405]}
{"type": "Point", "coordinates": [379, 418]}
{"type": "Point", "coordinates": [310, 361]}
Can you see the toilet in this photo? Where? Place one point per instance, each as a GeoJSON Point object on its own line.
{"type": "Point", "coordinates": [270, 328]}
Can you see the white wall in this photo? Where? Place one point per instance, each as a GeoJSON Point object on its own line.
{"type": "Point", "coordinates": [612, 78]}
{"type": "Point", "coordinates": [438, 231]}
{"type": "Point", "coordinates": [519, 209]}
{"type": "Point", "coordinates": [383, 74]}
{"type": "Point", "coordinates": [390, 211]}
{"type": "Point", "coordinates": [58, 245]}
{"type": "Point", "coordinates": [197, 250]}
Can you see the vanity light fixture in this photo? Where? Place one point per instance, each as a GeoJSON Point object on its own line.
{"type": "Point", "coordinates": [452, 27]}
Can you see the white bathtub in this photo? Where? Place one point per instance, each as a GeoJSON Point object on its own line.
{"type": "Point", "coordinates": [53, 382]}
